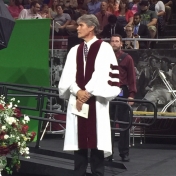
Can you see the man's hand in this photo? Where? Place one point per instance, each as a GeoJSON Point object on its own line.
{"type": "Point", "coordinates": [83, 95]}
{"type": "Point", "coordinates": [136, 36]}
{"type": "Point", "coordinates": [79, 105]}
{"type": "Point", "coordinates": [130, 103]}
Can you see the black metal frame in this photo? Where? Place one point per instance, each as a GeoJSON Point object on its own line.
{"type": "Point", "coordinates": [42, 92]}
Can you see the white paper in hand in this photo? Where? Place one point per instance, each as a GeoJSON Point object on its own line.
{"type": "Point", "coordinates": [83, 113]}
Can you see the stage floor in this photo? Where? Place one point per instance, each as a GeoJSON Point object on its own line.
{"type": "Point", "coordinates": [154, 158]}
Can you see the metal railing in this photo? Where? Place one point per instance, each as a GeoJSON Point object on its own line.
{"type": "Point", "coordinates": [124, 39]}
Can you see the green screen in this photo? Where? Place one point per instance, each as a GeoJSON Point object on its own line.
{"type": "Point", "coordinates": [25, 60]}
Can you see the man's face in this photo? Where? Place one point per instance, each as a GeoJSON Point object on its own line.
{"type": "Point", "coordinates": [84, 30]}
{"type": "Point", "coordinates": [116, 43]}
{"type": "Point", "coordinates": [136, 20]}
{"type": "Point", "coordinates": [103, 6]}
{"type": "Point", "coordinates": [36, 8]}
{"type": "Point", "coordinates": [143, 7]}
{"type": "Point", "coordinates": [59, 10]}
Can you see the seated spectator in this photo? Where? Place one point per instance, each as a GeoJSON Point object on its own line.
{"type": "Point", "coordinates": [44, 11]}
{"type": "Point", "coordinates": [110, 7]}
{"type": "Point", "coordinates": [93, 7]}
{"type": "Point", "coordinates": [71, 5]}
{"type": "Point", "coordinates": [116, 6]}
{"type": "Point", "coordinates": [32, 13]}
{"type": "Point", "coordinates": [124, 16]}
{"type": "Point", "coordinates": [53, 10]}
{"type": "Point", "coordinates": [15, 8]}
{"type": "Point", "coordinates": [103, 15]}
{"type": "Point", "coordinates": [130, 44]}
{"type": "Point", "coordinates": [168, 8]}
{"type": "Point", "coordinates": [140, 30]}
{"type": "Point", "coordinates": [159, 8]}
{"type": "Point", "coordinates": [112, 28]}
{"type": "Point", "coordinates": [27, 4]}
{"type": "Point", "coordinates": [62, 19]}
{"type": "Point", "coordinates": [148, 17]}
{"type": "Point", "coordinates": [134, 6]}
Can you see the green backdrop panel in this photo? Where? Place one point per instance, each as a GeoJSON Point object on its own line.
{"type": "Point", "coordinates": [25, 60]}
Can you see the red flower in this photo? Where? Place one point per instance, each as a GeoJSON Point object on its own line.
{"type": "Point", "coordinates": [33, 134]}
{"type": "Point", "coordinates": [17, 113]}
{"type": "Point", "coordinates": [24, 129]}
{"type": "Point", "coordinates": [1, 107]}
{"type": "Point", "coordinates": [1, 136]}
{"type": "Point", "coordinates": [4, 150]}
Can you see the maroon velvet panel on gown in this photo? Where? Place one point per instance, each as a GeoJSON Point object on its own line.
{"type": "Point", "coordinates": [87, 133]}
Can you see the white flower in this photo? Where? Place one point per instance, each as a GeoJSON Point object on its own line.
{"type": "Point", "coordinates": [18, 101]}
{"type": "Point", "coordinates": [6, 136]}
{"type": "Point", "coordinates": [10, 105]}
{"type": "Point", "coordinates": [12, 99]}
{"type": "Point", "coordinates": [15, 105]}
{"type": "Point", "coordinates": [3, 127]}
{"type": "Point", "coordinates": [17, 138]}
{"type": "Point", "coordinates": [26, 149]}
{"type": "Point", "coordinates": [10, 120]}
{"type": "Point", "coordinates": [23, 121]}
{"type": "Point", "coordinates": [26, 118]}
{"type": "Point", "coordinates": [27, 157]}
{"type": "Point", "coordinates": [19, 143]}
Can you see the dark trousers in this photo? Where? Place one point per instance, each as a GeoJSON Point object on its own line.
{"type": "Point", "coordinates": [96, 162]}
{"type": "Point", "coordinates": [122, 115]}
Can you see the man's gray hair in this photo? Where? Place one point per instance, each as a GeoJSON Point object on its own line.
{"type": "Point", "coordinates": [90, 20]}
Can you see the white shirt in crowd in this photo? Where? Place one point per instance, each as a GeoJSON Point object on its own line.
{"type": "Point", "coordinates": [27, 14]}
{"type": "Point", "coordinates": [159, 6]}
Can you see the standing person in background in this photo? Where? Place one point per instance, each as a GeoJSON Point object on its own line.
{"type": "Point", "coordinates": [128, 89]}
{"type": "Point", "coordinates": [81, 83]}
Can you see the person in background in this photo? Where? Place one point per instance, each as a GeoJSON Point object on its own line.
{"type": "Point", "coordinates": [62, 20]}
{"type": "Point", "coordinates": [168, 8]}
{"type": "Point", "coordinates": [134, 6]}
{"type": "Point", "coordinates": [93, 6]}
{"type": "Point", "coordinates": [124, 15]}
{"type": "Point", "coordinates": [32, 13]}
{"type": "Point", "coordinates": [44, 11]}
{"type": "Point", "coordinates": [130, 44]}
{"type": "Point", "coordinates": [15, 8]}
{"type": "Point", "coordinates": [159, 8]}
{"type": "Point", "coordinates": [88, 61]}
{"type": "Point", "coordinates": [110, 7]}
{"type": "Point", "coordinates": [140, 31]}
{"type": "Point", "coordinates": [116, 6]}
{"type": "Point", "coordinates": [148, 17]}
{"type": "Point", "coordinates": [127, 79]}
{"type": "Point", "coordinates": [103, 15]}
{"type": "Point", "coordinates": [53, 9]}
{"type": "Point", "coordinates": [70, 4]}
{"type": "Point", "coordinates": [112, 28]}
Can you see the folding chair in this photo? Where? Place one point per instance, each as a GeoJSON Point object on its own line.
{"type": "Point", "coordinates": [173, 92]}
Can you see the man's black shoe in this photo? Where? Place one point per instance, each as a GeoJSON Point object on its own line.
{"type": "Point", "coordinates": [125, 158]}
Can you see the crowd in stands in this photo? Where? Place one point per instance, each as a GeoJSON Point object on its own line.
{"type": "Point", "coordinates": [129, 18]}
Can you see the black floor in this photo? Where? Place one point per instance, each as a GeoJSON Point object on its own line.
{"type": "Point", "coordinates": [157, 157]}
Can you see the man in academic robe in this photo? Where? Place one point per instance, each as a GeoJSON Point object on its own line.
{"type": "Point", "coordinates": [90, 76]}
